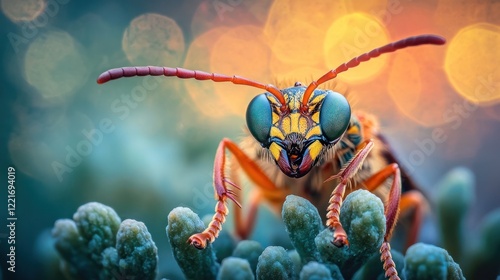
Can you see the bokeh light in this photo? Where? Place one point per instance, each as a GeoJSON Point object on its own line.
{"type": "Point", "coordinates": [350, 36]}
{"type": "Point", "coordinates": [472, 63]}
{"type": "Point", "coordinates": [240, 51]}
{"type": "Point", "coordinates": [259, 9]}
{"type": "Point", "coordinates": [418, 87]}
{"type": "Point", "coordinates": [370, 7]}
{"type": "Point", "coordinates": [202, 93]}
{"type": "Point", "coordinates": [153, 39]}
{"type": "Point", "coordinates": [450, 15]}
{"type": "Point", "coordinates": [160, 152]}
{"type": "Point", "coordinates": [316, 13]}
{"type": "Point", "coordinates": [406, 98]}
{"type": "Point", "coordinates": [26, 10]}
{"type": "Point", "coordinates": [286, 77]}
{"type": "Point", "coordinates": [55, 64]}
{"type": "Point", "coordinates": [299, 42]}
{"type": "Point", "coordinates": [213, 14]}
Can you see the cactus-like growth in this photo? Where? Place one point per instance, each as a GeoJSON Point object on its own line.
{"type": "Point", "coordinates": [194, 263]}
{"type": "Point", "coordinates": [314, 257]}
{"type": "Point", "coordinates": [362, 215]}
{"type": "Point", "coordinates": [274, 263]}
{"type": "Point", "coordinates": [235, 268]}
{"type": "Point", "coordinates": [484, 261]}
{"type": "Point", "coordinates": [423, 261]}
{"type": "Point", "coordinates": [249, 250]}
{"type": "Point", "coordinates": [454, 198]}
{"type": "Point", "coordinates": [316, 271]}
{"type": "Point", "coordinates": [373, 270]}
{"type": "Point", "coordinates": [97, 245]}
{"type": "Point", "coordinates": [303, 224]}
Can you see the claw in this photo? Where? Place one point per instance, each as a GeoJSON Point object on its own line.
{"type": "Point", "coordinates": [198, 241]}
{"type": "Point", "coordinates": [340, 241]}
{"type": "Point", "coordinates": [340, 238]}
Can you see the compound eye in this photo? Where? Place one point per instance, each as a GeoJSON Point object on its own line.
{"type": "Point", "coordinates": [334, 116]}
{"type": "Point", "coordinates": [259, 118]}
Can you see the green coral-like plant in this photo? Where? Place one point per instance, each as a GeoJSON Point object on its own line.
{"type": "Point", "coordinates": [96, 244]}
{"type": "Point", "coordinates": [194, 263]}
{"type": "Point", "coordinates": [362, 215]}
{"type": "Point", "coordinates": [275, 263]}
{"type": "Point", "coordinates": [455, 195]}
{"type": "Point", "coordinates": [373, 270]}
{"type": "Point", "coordinates": [314, 256]}
{"type": "Point", "coordinates": [315, 271]}
{"type": "Point", "coordinates": [235, 268]}
{"type": "Point", "coordinates": [423, 261]}
{"type": "Point", "coordinates": [483, 261]}
{"type": "Point", "coordinates": [249, 250]}
{"type": "Point", "coordinates": [303, 224]}
{"type": "Point", "coordinates": [478, 250]}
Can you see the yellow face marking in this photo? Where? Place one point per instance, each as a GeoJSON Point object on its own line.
{"type": "Point", "coordinates": [315, 117]}
{"type": "Point", "coordinates": [286, 125]}
{"type": "Point", "coordinates": [315, 149]}
{"type": "Point", "coordinates": [317, 99]}
{"type": "Point", "coordinates": [315, 130]}
{"type": "Point", "coordinates": [276, 118]}
{"type": "Point", "coordinates": [302, 125]}
{"type": "Point", "coordinates": [294, 122]}
{"type": "Point", "coordinates": [275, 132]}
{"type": "Point", "coordinates": [275, 150]}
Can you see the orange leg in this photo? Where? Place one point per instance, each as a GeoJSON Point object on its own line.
{"type": "Point", "coordinates": [222, 193]}
{"type": "Point", "coordinates": [413, 201]}
{"type": "Point", "coordinates": [336, 198]}
{"type": "Point", "coordinates": [391, 212]}
{"type": "Point", "coordinates": [245, 222]}
{"type": "Point", "coordinates": [245, 225]}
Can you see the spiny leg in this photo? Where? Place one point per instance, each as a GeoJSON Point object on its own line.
{"type": "Point", "coordinates": [263, 190]}
{"type": "Point", "coordinates": [222, 193]}
{"type": "Point", "coordinates": [336, 198]}
{"type": "Point", "coordinates": [391, 212]}
{"type": "Point", "coordinates": [244, 223]}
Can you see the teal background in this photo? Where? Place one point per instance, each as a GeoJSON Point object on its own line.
{"type": "Point", "coordinates": [156, 158]}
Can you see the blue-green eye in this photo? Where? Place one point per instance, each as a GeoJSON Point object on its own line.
{"type": "Point", "coordinates": [259, 118]}
{"type": "Point", "coordinates": [334, 116]}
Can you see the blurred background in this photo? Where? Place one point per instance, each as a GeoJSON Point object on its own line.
{"type": "Point", "coordinates": [146, 145]}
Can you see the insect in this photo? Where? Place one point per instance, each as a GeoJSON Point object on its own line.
{"type": "Point", "coordinates": [304, 140]}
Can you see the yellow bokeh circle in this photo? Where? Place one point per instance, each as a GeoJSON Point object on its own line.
{"type": "Point", "coordinates": [299, 42]}
{"type": "Point", "coordinates": [240, 51]}
{"type": "Point", "coordinates": [202, 93]}
{"type": "Point", "coordinates": [351, 36]}
{"type": "Point", "coordinates": [472, 63]}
